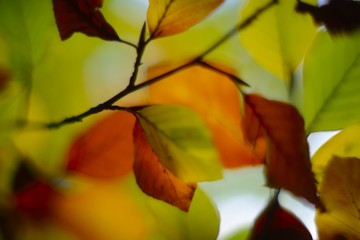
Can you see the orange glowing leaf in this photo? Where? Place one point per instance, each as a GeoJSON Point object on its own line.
{"type": "Point", "coordinates": [106, 149]}
{"type": "Point", "coordinates": [216, 99]}
{"type": "Point", "coordinates": [168, 17]}
{"type": "Point", "coordinates": [287, 162]}
{"type": "Point", "coordinates": [154, 179]}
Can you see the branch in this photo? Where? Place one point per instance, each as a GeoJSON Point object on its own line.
{"type": "Point", "coordinates": [140, 50]}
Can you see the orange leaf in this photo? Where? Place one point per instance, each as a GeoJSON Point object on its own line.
{"type": "Point", "coordinates": [168, 17]}
{"type": "Point", "coordinates": [154, 179]}
{"type": "Point", "coordinates": [216, 99]}
{"type": "Point", "coordinates": [288, 162]}
{"type": "Point", "coordinates": [106, 149]}
{"type": "Point", "coordinates": [277, 223]}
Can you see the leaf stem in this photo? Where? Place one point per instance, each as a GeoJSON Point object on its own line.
{"type": "Point", "coordinates": [132, 87]}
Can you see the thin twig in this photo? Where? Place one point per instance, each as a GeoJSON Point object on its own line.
{"type": "Point", "coordinates": [140, 50]}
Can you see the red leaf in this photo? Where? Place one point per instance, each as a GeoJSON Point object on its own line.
{"type": "Point", "coordinates": [82, 16]}
{"type": "Point", "coordinates": [288, 161]}
{"type": "Point", "coordinates": [106, 149]}
{"type": "Point", "coordinates": [35, 201]}
{"type": "Point", "coordinates": [277, 223]}
{"type": "Point", "coordinates": [154, 179]}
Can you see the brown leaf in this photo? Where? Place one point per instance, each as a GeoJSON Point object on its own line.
{"type": "Point", "coordinates": [4, 78]}
{"type": "Point", "coordinates": [216, 99]}
{"type": "Point", "coordinates": [287, 162]}
{"type": "Point", "coordinates": [106, 149]}
{"type": "Point", "coordinates": [340, 194]}
{"type": "Point", "coordinates": [339, 16]}
{"type": "Point", "coordinates": [277, 223]}
{"type": "Point", "coordinates": [168, 17]}
{"type": "Point", "coordinates": [154, 179]}
{"type": "Point", "coordinates": [82, 16]}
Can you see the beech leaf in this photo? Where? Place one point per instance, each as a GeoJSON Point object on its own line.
{"type": "Point", "coordinates": [340, 194]}
{"type": "Point", "coordinates": [82, 16]}
{"type": "Point", "coordinates": [182, 142]}
{"type": "Point", "coordinates": [339, 16]}
{"type": "Point", "coordinates": [105, 150]}
{"type": "Point", "coordinates": [277, 223]}
{"type": "Point", "coordinates": [154, 179]}
{"type": "Point", "coordinates": [168, 17]}
{"type": "Point", "coordinates": [287, 162]}
{"type": "Point", "coordinates": [279, 38]}
{"type": "Point", "coordinates": [35, 200]}
{"type": "Point", "coordinates": [216, 99]}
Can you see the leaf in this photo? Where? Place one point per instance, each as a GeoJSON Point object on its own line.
{"type": "Point", "coordinates": [154, 179]}
{"type": "Point", "coordinates": [217, 100]}
{"type": "Point", "coordinates": [106, 149]}
{"type": "Point", "coordinates": [340, 194]}
{"type": "Point", "coordinates": [339, 16]}
{"type": "Point", "coordinates": [168, 17]}
{"type": "Point", "coordinates": [287, 162]}
{"type": "Point", "coordinates": [331, 73]}
{"type": "Point", "coordinates": [4, 78]}
{"type": "Point", "coordinates": [26, 29]}
{"type": "Point", "coordinates": [345, 143]}
{"type": "Point", "coordinates": [278, 39]}
{"type": "Point", "coordinates": [82, 16]}
{"type": "Point", "coordinates": [35, 200]}
{"type": "Point", "coordinates": [277, 223]}
{"type": "Point", "coordinates": [181, 141]}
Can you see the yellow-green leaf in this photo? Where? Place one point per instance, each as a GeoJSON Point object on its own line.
{"type": "Point", "coordinates": [278, 39]}
{"type": "Point", "coordinates": [345, 143]}
{"type": "Point", "coordinates": [331, 86]}
{"type": "Point", "coordinates": [340, 194]}
{"type": "Point", "coordinates": [182, 142]}
{"type": "Point", "coordinates": [168, 17]}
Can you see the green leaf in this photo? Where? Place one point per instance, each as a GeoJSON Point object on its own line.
{"type": "Point", "coordinates": [278, 39]}
{"type": "Point", "coordinates": [26, 27]}
{"type": "Point", "coordinates": [182, 141]}
{"type": "Point", "coordinates": [331, 82]}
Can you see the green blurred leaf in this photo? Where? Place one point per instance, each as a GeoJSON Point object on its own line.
{"type": "Point", "coordinates": [26, 27]}
{"type": "Point", "coordinates": [182, 141]}
{"type": "Point", "coordinates": [331, 82]}
{"type": "Point", "coordinates": [279, 38]}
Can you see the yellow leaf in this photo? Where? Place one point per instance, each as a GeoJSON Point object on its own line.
{"type": "Point", "coordinates": [340, 195]}
{"type": "Point", "coordinates": [168, 17]}
{"type": "Point", "coordinates": [345, 143]}
{"type": "Point", "coordinates": [279, 38]}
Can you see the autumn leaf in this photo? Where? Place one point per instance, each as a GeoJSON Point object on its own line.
{"type": "Point", "coordinates": [340, 194]}
{"type": "Point", "coordinates": [345, 143]}
{"type": "Point", "coordinates": [168, 17]}
{"type": "Point", "coordinates": [339, 16]}
{"type": "Point", "coordinates": [182, 142]}
{"type": "Point", "coordinates": [106, 149]}
{"type": "Point", "coordinates": [217, 100]}
{"type": "Point", "coordinates": [4, 78]}
{"type": "Point", "coordinates": [277, 223]}
{"type": "Point", "coordinates": [82, 16]}
{"type": "Point", "coordinates": [287, 162]}
{"type": "Point", "coordinates": [35, 200]}
{"type": "Point", "coordinates": [154, 179]}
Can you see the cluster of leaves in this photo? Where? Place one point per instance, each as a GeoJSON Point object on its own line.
{"type": "Point", "coordinates": [198, 118]}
